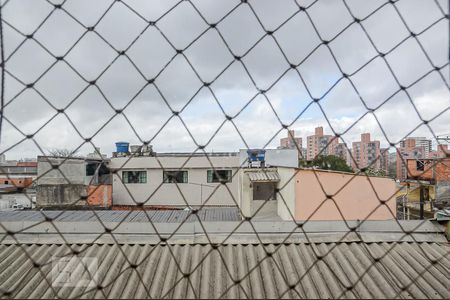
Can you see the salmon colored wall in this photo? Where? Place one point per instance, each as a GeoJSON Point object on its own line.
{"type": "Point", "coordinates": [356, 200]}
{"type": "Point", "coordinates": [99, 195]}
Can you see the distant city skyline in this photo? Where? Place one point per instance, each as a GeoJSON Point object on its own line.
{"type": "Point", "coordinates": [108, 149]}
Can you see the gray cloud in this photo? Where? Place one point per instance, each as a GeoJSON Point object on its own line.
{"type": "Point", "coordinates": [209, 55]}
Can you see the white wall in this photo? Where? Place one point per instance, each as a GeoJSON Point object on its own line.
{"type": "Point", "coordinates": [173, 162]}
{"type": "Point", "coordinates": [195, 192]}
{"type": "Point", "coordinates": [286, 202]}
{"type": "Point", "coordinates": [245, 195]}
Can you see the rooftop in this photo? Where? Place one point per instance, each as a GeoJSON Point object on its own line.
{"type": "Point", "coordinates": [155, 216]}
{"type": "Point", "coordinates": [196, 154]}
{"type": "Point", "coordinates": [215, 226]}
{"type": "Point", "coordinates": [318, 260]}
{"type": "Point", "coordinates": [10, 170]}
{"type": "Point", "coordinates": [233, 271]}
{"type": "Point", "coordinates": [180, 154]}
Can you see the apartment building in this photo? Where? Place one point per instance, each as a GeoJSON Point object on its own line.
{"type": "Point", "coordinates": [366, 153]}
{"type": "Point", "coordinates": [342, 151]}
{"type": "Point", "coordinates": [419, 142]}
{"type": "Point", "coordinates": [441, 152]}
{"type": "Point", "coordinates": [293, 142]}
{"type": "Point", "coordinates": [320, 144]}
{"type": "Point", "coordinates": [384, 160]}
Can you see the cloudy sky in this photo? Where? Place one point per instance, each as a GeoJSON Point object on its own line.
{"type": "Point", "coordinates": [263, 63]}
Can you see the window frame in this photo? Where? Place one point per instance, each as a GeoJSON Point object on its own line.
{"type": "Point", "coordinates": [420, 165]}
{"type": "Point", "coordinates": [184, 176]}
{"type": "Point", "coordinates": [141, 179]}
{"type": "Point", "coordinates": [211, 175]}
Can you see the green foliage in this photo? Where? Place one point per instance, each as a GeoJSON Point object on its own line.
{"type": "Point", "coordinates": [392, 170]}
{"type": "Point", "coordinates": [329, 162]}
{"type": "Point", "coordinates": [370, 171]}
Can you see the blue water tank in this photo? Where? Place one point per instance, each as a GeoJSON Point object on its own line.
{"type": "Point", "coordinates": [256, 154]}
{"type": "Point", "coordinates": [122, 147]}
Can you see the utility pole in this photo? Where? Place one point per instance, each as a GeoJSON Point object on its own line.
{"type": "Point", "coordinates": [422, 201]}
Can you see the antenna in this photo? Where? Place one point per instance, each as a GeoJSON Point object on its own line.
{"type": "Point", "coordinates": [443, 137]}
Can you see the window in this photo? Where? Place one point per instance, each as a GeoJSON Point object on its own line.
{"type": "Point", "coordinates": [219, 176]}
{"type": "Point", "coordinates": [134, 176]}
{"type": "Point", "coordinates": [90, 169]}
{"type": "Point", "coordinates": [175, 176]}
{"type": "Point", "coordinates": [420, 165]}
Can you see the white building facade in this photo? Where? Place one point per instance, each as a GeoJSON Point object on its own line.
{"type": "Point", "coordinates": [181, 180]}
{"type": "Point", "coordinates": [176, 180]}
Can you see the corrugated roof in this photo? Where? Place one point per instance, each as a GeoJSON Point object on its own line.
{"type": "Point", "coordinates": [264, 176]}
{"type": "Point", "coordinates": [156, 216]}
{"type": "Point", "coordinates": [348, 270]}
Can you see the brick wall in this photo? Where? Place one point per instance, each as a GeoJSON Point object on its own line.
{"type": "Point", "coordinates": [100, 195]}
{"type": "Point", "coordinates": [443, 170]}
{"type": "Point", "coordinates": [438, 170]}
{"type": "Point", "coordinates": [20, 183]}
{"type": "Point", "coordinates": [414, 173]}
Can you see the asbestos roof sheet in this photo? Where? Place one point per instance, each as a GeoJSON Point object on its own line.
{"type": "Point", "coordinates": [156, 216]}
{"type": "Point", "coordinates": [291, 270]}
{"type": "Point", "coordinates": [263, 176]}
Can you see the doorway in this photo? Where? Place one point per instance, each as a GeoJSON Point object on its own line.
{"type": "Point", "coordinates": [264, 191]}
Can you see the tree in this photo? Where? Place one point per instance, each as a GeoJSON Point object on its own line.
{"type": "Point", "coordinates": [328, 162]}
{"type": "Point", "coordinates": [370, 171]}
{"type": "Point", "coordinates": [63, 152]}
{"type": "Point", "coordinates": [392, 169]}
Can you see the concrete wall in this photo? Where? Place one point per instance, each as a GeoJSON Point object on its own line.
{"type": "Point", "coordinates": [70, 171]}
{"type": "Point", "coordinates": [274, 157]}
{"type": "Point", "coordinates": [443, 191]}
{"type": "Point", "coordinates": [68, 186]}
{"type": "Point", "coordinates": [196, 192]}
{"type": "Point", "coordinates": [61, 195]}
{"type": "Point", "coordinates": [357, 200]}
